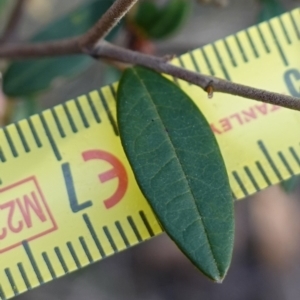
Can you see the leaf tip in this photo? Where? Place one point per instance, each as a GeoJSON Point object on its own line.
{"type": "Point", "coordinates": [219, 280]}
{"type": "Point", "coordinates": [216, 278]}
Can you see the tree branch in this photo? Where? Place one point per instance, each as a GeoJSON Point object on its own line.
{"type": "Point", "coordinates": [66, 46]}
{"type": "Point", "coordinates": [106, 50]}
{"type": "Point", "coordinates": [107, 22]}
{"type": "Point", "coordinates": [12, 21]}
{"type": "Point", "coordinates": [207, 83]}
{"type": "Point", "coordinates": [43, 49]}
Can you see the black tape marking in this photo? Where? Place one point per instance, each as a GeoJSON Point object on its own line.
{"type": "Point", "coordinates": [255, 52]}
{"type": "Point", "coordinates": [242, 51]}
{"type": "Point", "coordinates": [110, 238]}
{"type": "Point", "coordinates": [50, 138]}
{"type": "Point", "coordinates": [146, 223]}
{"type": "Point", "coordinates": [113, 91]}
{"type": "Point", "coordinates": [57, 123]}
{"type": "Point", "coordinates": [134, 228]}
{"type": "Point", "coordinates": [194, 61]}
{"type": "Point", "coordinates": [10, 143]}
{"type": "Point", "coordinates": [263, 173]}
{"type": "Point", "coordinates": [74, 255]}
{"type": "Point", "coordinates": [2, 156]}
{"type": "Point", "coordinates": [34, 133]}
{"type": "Point", "coordinates": [2, 295]}
{"type": "Point", "coordinates": [252, 179]}
{"type": "Point", "coordinates": [22, 138]}
{"type": "Point", "coordinates": [280, 49]}
{"type": "Point", "coordinates": [208, 64]}
{"type": "Point", "coordinates": [240, 183]}
{"type": "Point", "coordinates": [93, 109]}
{"type": "Point", "coordinates": [232, 59]}
{"type": "Point", "coordinates": [122, 234]}
{"type": "Point", "coordinates": [287, 37]}
{"type": "Point", "coordinates": [269, 159]}
{"type": "Point", "coordinates": [263, 40]}
{"type": "Point", "coordinates": [295, 155]}
{"type": "Point", "coordinates": [70, 119]}
{"type": "Point", "coordinates": [61, 260]}
{"type": "Point", "coordinates": [233, 195]}
{"type": "Point", "coordinates": [93, 234]}
{"type": "Point", "coordinates": [24, 276]}
{"type": "Point", "coordinates": [33, 262]}
{"type": "Point", "coordinates": [221, 63]}
{"type": "Point", "coordinates": [285, 162]}
{"type": "Point", "coordinates": [49, 265]}
{"type": "Point", "coordinates": [85, 249]}
{"type": "Point", "coordinates": [11, 281]}
{"type": "Point", "coordinates": [109, 115]}
{"type": "Point", "coordinates": [81, 113]}
{"type": "Point", "coordinates": [294, 25]}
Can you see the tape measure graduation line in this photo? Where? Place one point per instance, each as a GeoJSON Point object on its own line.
{"type": "Point", "coordinates": [68, 197]}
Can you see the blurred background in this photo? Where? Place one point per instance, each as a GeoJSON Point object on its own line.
{"type": "Point", "coordinates": [266, 260]}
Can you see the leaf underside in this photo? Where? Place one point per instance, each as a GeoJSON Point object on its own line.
{"type": "Point", "coordinates": [178, 166]}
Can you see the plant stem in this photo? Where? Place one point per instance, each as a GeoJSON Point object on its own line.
{"type": "Point", "coordinates": [109, 51]}
{"type": "Point", "coordinates": [39, 50]}
{"type": "Point", "coordinates": [106, 50]}
{"type": "Point", "coordinates": [107, 22]}
{"type": "Point", "coordinates": [13, 21]}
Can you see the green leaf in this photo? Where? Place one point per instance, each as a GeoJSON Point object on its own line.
{"type": "Point", "coordinates": [270, 9]}
{"type": "Point", "coordinates": [178, 166]}
{"type": "Point", "coordinates": [111, 75]}
{"type": "Point", "coordinates": [159, 23]}
{"type": "Point", "coordinates": [30, 76]}
{"type": "Point", "coordinates": [290, 184]}
{"type": "Point", "coordinates": [4, 7]}
{"type": "Point", "coordinates": [2, 4]}
{"type": "Point", "coordinates": [25, 108]}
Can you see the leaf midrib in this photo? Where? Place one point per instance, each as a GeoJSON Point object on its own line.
{"type": "Point", "coordinates": [183, 171]}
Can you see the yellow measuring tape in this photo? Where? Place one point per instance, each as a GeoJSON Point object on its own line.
{"type": "Point", "coordinates": [68, 197]}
